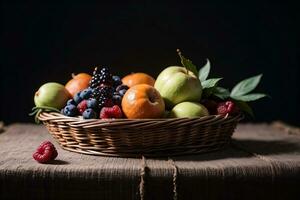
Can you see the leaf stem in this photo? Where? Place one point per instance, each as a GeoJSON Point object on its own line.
{"type": "Point", "coordinates": [180, 55]}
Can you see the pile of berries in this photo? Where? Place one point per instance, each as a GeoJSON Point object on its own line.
{"type": "Point", "coordinates": [102, 99]}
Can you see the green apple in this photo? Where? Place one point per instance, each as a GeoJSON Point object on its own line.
{"type": "Point", "coordinates": [177, 84]}
{"type": "Point", "coordinates": [189, 109]}
{"type": "Point", "coordinates": [52, 95]}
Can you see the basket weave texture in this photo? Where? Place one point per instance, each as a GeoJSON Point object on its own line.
{"type": "Point", "coordinates": [148, 137]}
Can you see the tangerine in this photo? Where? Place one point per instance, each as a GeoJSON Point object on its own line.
{"type": "Point", "coordinates": [143, 101]}
{"type": "Point", "coordinates": [78, 83]}
{"type": "Point", "coordinates": [138, 78]}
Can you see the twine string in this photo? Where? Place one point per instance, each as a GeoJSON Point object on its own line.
{"type": "Point", "coordinates": [143, 177]}
{"type": "Point", "coordinates": [175, 175]}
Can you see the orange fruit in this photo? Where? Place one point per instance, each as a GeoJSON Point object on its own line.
{"type": "Point", "coordinates": [138, 78]}
{"type": "Point", "coordinates": [78, 82]}
{"type": "Point", "coordinates": [143, 101]}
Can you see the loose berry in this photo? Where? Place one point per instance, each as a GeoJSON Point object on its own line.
{"type": "Point", "coordinates": [70, 110]}
{"type": "Point", "coordinates": [112, 112]}
{"type": "Point", "coordinates": [85, 94]}
{"type": "Point", "coordinates": [45, 152]}
{"type": "Point", "coordinates": [89, 114]}
{"type": "Point", "coordinates": [77, 98]}
{"type": "Point", "coordinates": [227, 107]}
{"type": "Point", "coordinates": [82, 106]}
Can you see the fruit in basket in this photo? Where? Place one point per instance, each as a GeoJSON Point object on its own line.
{"type": "Point", "coordinates": [101, 76]}
{"type": "Point", "coordinates": [116, 81]}
{"type": "Point", "coordinates": [92, 103]}
{"type": "Point", "coordinates": [177, 84]}
{"type": "Point", "coordinates": [117, 99]}
{"type": "Point", "coordinates": [138, 78]}
{"type": "Point", "coordinates": [86, 93]}
{"type": "Point", "coordinates": [143, 101]}
{"type": "Point", "coordinates": [71, 102]}
{"type": "Point", "coordinates": [82, 106]}
{"type": "Point", "coordinates": [52, 95]}
{"type": "Point", "coordinates": [111, 112]}
{"type": "Point", "coordinates": [78, 83]}
{"type": "Point", "coordinates": [227, 107]}
{"type": "Point", "coordinates": [189, 109]}
{"type": "Point", "coordinates": [77, 98]}
{"type": "Point", "coordinates": [70, 110]}
{"type": "Point", "coordinates": [89, 114]}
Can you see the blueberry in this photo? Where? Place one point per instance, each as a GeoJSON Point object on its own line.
{"type": "Point", "coordinates": [70, 110]}
{"type": "Point", "coordinates": [117, 81]}
{"type": "Point", "coordinates": [117, 99]}
{"type": "Point", "coordinates": [71, 102]}
{"type": "Point", "coordinates": [85, 94]}
{"type": "Point", "coordinates": [89, 114]}
{"type": "Point", "coordinates": [122, 92]}
{"type": "Point", "coordinates": [92, 103]}
{"type": "Point", "coordinates": [77, 98]}
{"type": "Point", "coordinates": [122, 87]}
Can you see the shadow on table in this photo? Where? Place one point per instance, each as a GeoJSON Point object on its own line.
{"type": "Point", "coordinates": [58, 162]}
{"type": "Point", "coordinates": [243, 149]}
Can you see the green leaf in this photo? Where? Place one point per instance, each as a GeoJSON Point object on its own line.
{"type": "Point", "coordinates": [245, 86]}
{"type": "Point", "coordinates": [207, 92]}
{"type": "Point", "coordinates": [210, 83]}
{"type": "Point", "coordinates": [204, 71]}
{"type": "Point", "coordinates": [244, 107]}
{"type": "Point", "coordinates": [221, 92]}
{"type": "Point", "coordinates": [187, 63]}
{"type": "Point", "coordinates": [249, 97]}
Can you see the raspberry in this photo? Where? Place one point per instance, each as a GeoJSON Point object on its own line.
{"type": "Point", "coordinates": [45, 152]}
{"type": "Point", "coordinates": [112, 112]}
{"type": "Point", "coordinates": [82, 106]}
{"type": "Point", "coordinates": [227, 107]}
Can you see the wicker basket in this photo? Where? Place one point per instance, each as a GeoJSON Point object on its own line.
{"type": "Point", "coordinates": [148, 137]}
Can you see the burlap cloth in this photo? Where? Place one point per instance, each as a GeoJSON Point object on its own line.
{"type": "Point", "coordinates": [262, 163]}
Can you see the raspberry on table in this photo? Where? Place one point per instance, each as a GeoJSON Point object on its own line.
{"type": "Point", "coordinates": [111, 112]}
{"type": "Point", "coordinates": [45, 152]}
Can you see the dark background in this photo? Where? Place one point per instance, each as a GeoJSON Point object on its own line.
{"type": "Point", "coordinates": [47, 42]}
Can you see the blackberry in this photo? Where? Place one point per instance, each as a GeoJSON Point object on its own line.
{"type": "Point", "coordinates": [102, 76]}
{"type": "Point", "coordinates": [106, 91]}
{"type": "Point", "coordinates": [95, 81]}
{"type": "Point", "coordinates": [102, 91]}
{"type": "Point", "coordinates": [105, 76]}
{"type": "Point", "coordinates": [105, 102]}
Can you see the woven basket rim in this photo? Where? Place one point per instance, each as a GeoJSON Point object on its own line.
{"type": "Point", "coordinates": [45, 116]}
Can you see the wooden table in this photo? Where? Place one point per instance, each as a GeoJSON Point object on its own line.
{"type": "Point", "coordinates": [262, 162]}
